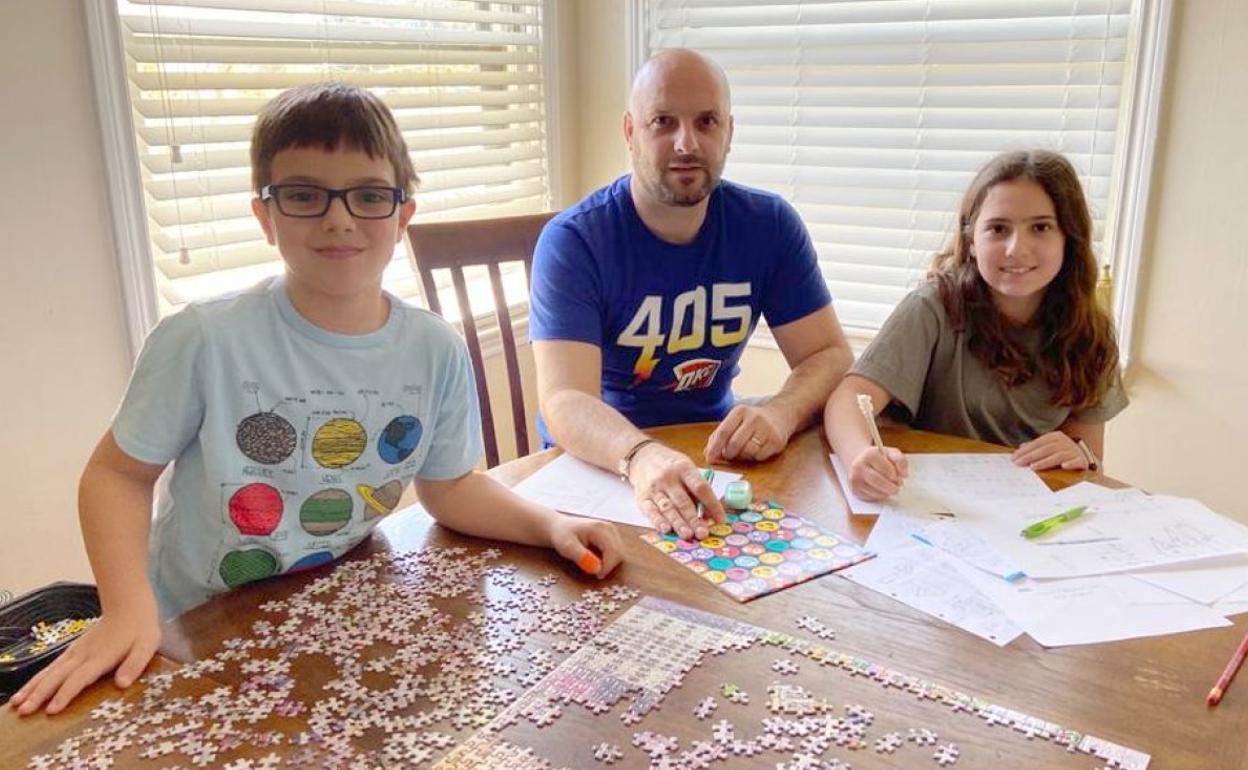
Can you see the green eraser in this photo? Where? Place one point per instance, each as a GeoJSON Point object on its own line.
{"type": "Point", "coordinates": [738, 494]}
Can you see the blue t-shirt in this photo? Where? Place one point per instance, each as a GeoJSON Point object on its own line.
{"type": "Point", "coordinates": [288, 442]}
{"type": "Point", "coordinates": [671, 320]}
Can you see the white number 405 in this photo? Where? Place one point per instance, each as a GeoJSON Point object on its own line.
{"type": "Point", "coordinates": [729, 323]}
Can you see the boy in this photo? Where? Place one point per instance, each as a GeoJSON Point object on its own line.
{"type": "Point", "coordinates": [294, 412]}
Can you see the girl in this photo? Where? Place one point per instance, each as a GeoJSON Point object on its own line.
{"type": "Point", "coordinates": [1003, 342]}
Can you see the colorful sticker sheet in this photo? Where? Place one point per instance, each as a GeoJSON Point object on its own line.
{"type": "Point", "coordinates": [761, 551]}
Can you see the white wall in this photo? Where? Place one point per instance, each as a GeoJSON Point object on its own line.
{"type": "Point", "coordinates": [1187, 427]}
{"type": "Point", "coordinates": [62, 336]}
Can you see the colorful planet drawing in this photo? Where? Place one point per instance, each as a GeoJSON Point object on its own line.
{"type": "Point", "coordinates": [326, 512]}
{"type": "Point", "coordinates": [378, 501]}
{"type": "Point", "coordinates": [266, 438]}
{"type": "Point", "coordinates": [245, 566]}
{"type": "Point", "coordinates": [312, 560]}
{"type": "Point", "coordinates": [399, 439]}
{"type": "Point", "coordinates": [338, 443]}
{"type": "Point", "coordinates": [256, 509]}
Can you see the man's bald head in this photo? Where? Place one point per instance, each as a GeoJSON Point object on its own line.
{"type": "Point", "coordinates": [673, 67]}
{"type": "Point", "coordinates": [678, 127]}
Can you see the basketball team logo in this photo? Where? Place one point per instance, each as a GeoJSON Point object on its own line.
{"type": "Point", "coordinates": [694, 374]}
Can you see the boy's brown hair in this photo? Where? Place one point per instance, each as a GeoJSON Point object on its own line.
{"type": "Point", "coordinates": [1079, 352]}
{"type": "Point", "coordinates": [328, 115]}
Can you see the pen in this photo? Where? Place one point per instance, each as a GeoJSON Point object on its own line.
{"type": "Point", "coordinates": [1224, 681]}
{"type": "Point", "coordinates": [1053, 522]}
{"type": "Point", "coordinates": [709, 475]}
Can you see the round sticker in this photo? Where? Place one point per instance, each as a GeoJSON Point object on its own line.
{"type": "Point", "coordinates": [666, 546]}
{"type": "Point", "coordinates": [790, 522]}
{"type": "Point", "coordinates": [802, 543]}
{"type": "Point", "coordinates": [775, 514]}
{"type": "Point", "coordinates": [767, 526]}
{"type": "Point", "coordinates": [751, 517]}
{"type": "Point", "coordinates": [771, 559]}
{"type": "Point", "coordinates": [737, 540]}
{"type": "Point", "coordinates": [822, 554]}
{"type": "Point", "coordinates": [702, 554]}
{"type": "Point", "coordinates": [808, 532]}
{"type": "Point", "coordinates": [737, 573]}
{"type": "Point", "coordinates": [759, 537]}
{"type": "Point", "coordinates": [827, 541]}
{"type": "Point", "coordinates": [763, 572]}
{"type": "Point", "coordinates": [712, 542]}
{"type": "Point", "coordinates": [719, 563]}
{"type": "Point", "coordinates": [746, 561]}
{"type": "Point", "coordinates": [742, 528]}
{"type": "Point", "coordinates": [789, 569]}
{"type": "Point", "coordinates": [720, 530]}
{"type": "Point", "coordinates": [778, 546]}
{"type": "Point", "coordinates": [753, 549]}
{"type": "Point", "coordinates": [715, 576]}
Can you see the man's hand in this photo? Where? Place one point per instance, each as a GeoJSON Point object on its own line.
{"type": "Point", "coordinates": [749, 433]}
{"type": "Point", "coordinates": [668, 488]}
{"type": "Point", "coordinates": [1052, 450]}
{"type": "Point", "coordinates": [126, 642]}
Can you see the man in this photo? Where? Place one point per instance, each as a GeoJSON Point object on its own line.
{"type": "Point", "coordinates": [645, 293]}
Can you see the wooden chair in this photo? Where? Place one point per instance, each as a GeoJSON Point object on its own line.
{"type": "Point", "coordinates": [488, 242]}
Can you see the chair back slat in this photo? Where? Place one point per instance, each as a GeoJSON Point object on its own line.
{"type": "Point", "coordinates": [488, 242]}
{"type": "Point", "coordinates": [512, 359]}
{"type": "Point", "coordinates": [478, 366]}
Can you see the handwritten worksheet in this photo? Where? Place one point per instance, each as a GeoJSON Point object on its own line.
{"type": "Point", "coordinates": [573, 486]}
{"type": "Point", "coordinates": [926, 579]}
{"type": "Point", "coordinates": [1117, 533]}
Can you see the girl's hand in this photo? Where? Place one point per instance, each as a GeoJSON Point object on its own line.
{"type": "Point", "coordinates": [876, 475]}
{"type": "Point", "coordinates": [124, 642]}
{"type": "Point", "coordinates": [1052, 450]}
{"type": "Point", "coordinates": [594, 546]}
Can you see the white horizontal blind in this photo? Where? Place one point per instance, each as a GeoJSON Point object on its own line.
{"type": "Point", "coordinates": [872, 116]}
{"type": "Point", "coordinates": [463, 78]}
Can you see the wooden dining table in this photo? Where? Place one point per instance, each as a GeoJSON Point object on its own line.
{"type": "Point", "coordinates": [1148, 694]}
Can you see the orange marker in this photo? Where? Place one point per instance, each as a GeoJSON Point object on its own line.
{"type": "Point", "coordinates": [1224, 681]}
{"type": "Point", "coordinates": [589, 562]}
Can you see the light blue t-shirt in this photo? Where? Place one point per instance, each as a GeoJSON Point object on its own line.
{"type": "Point", "coordinates": [288, 442]}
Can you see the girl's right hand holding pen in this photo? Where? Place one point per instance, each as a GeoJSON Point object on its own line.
{"type": "Point", "coordinates": [876, 474]}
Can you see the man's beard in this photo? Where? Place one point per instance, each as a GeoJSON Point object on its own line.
{"type": "Point", "coordinates": [681, 196]}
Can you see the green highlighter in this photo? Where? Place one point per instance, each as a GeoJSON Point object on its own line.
{"type": "Point", "coordinates": [1053, 522]}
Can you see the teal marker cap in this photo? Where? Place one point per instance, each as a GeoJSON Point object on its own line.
{"type": "Point", "coordinates": [738, 495]}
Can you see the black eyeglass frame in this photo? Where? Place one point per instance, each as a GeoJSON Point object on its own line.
{"type": "Point", "coordinates": [270, 192]}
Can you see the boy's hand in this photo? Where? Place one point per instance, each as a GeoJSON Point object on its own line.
{"type": "Point", "coordinates": [594, 546]}
{"type": "Point", "coordinates": [124, 642]}
{"type": "Point", "coordinates": [1052, 450]}
{"type": "Point", "coordinates": [876, 475]}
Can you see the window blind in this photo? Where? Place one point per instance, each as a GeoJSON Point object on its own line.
{"type": "Point", "coordinates": [463, 78]}
{"type": "Point", "coordinates": [872, 116]}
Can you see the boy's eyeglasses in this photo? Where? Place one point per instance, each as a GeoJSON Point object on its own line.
{"type": "Point", "coordinates": [309, 200]}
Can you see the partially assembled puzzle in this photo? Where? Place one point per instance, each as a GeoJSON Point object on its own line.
{"type": "Point", "coordinates": [449, 658]}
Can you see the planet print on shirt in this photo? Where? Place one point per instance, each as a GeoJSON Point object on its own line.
{"type": "Point", "coordinates": [266, 438]}
{"type": "Point", "coordinates": [256, 509]}
{"type": "Point", "coordinates": [338, 443]}
{"type": "Point", "coordinates": [378, 501]}
{"type": "Point", "coordinates": [312, 560]}
{"type": "Point", "coordinates": [399, 439]}
{"type": "Point", "coordinates": [247, 565]}
{"type": "Point", "coordinates": [326, 512]}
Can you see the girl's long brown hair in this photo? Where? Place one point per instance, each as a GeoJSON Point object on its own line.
{"type": "Point", "coordinates": [1078, 350]}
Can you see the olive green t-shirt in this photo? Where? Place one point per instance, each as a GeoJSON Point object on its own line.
{"type": "Point", "coordinates": [937, 384]}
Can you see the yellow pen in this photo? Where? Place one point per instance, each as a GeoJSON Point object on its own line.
{"type": "Point", "coordinates": [1053, 522]}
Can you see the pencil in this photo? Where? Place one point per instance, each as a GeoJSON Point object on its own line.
{"type": "Point", "coordinates": [1224, 681]}
{"type": "Point", "coordinates": [868, 412]}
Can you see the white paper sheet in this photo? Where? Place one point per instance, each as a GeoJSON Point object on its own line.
{"type": "Point", "coordinates": [942, 483]}
{"type": "Point", "coordinates": [924, 578]}
{"type": "Point", "coordinates": [573, 486]}
{"type": "Point", "coordinates": [1205, 582]}
{"type": "Point", "coordinates": [856, 505]}
{"type": "Point", "coordinates": [1058, 613]}
{"type": "Point", "coordinates": [1125, 532]}
{"type": "Point", "coordinates": [962, 542]}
